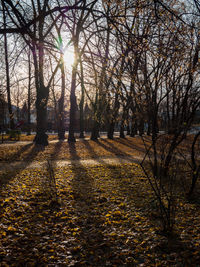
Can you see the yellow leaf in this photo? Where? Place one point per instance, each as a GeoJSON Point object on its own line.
{"type": "Point", "coordinates": [64, 217]}
{"type": "Point", "coordinates": [12, 229]}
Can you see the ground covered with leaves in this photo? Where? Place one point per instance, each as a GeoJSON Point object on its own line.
{"type": "Point", "coordinates": [93, 216]}
{"type": "Point", "coordinates": [80, 150]}
{"type": "Point", "coordinates": [81, 215]}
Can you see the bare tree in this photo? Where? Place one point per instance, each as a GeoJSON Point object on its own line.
{"type": "Point", "coordinates": [7, 69]}
{"type": "Point", "coordinates": [35, 32]}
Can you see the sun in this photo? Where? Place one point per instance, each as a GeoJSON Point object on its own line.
{"type": "Point", "coordinates": [69, 58]}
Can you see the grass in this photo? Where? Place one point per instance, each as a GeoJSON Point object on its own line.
{"type": "Point", "coordinates": [104, 215]}
{"type": "Point", "coordinates": [24, 137]}
{"type": "Point", "coordinates": [129, 147]}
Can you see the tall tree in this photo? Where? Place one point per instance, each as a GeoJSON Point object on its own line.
{"type": "Point", "coordinates": [11, 115]}
{"type": "Point", "coordinates": [36, 30]}
{"type": "Point", "coordinates": [79, 19]}
{"type": "Point", "coordinates": [29, 94]}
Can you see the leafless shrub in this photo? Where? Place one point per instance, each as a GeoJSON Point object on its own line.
{"type": "Point", "coordinates": [191, 159]}
{"type": "Point", "coordinates": [163, 186]}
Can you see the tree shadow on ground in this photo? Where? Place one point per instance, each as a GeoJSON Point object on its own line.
{"type": "Point", "coordinates": [47, 235]}
{"type": "Point", "coordinates": [93, 153]}
{"type": "Point", "coordinates": [7, 177]}
{"type": "Point", "coordinates": [94, 246]}
{"type": "Point", "coordinates": [34, 221]}
{"type": "Point", "coordinates": [112, 148]}
{"type": "Point", "coordinates": [16, 155]}
{"type": "Point", "coordinates": [36, 213]}
{"type": "Point", "coordinates": [130, 144]}
{"type": "Point", "coordinates": [73, 152]}
{"type": "Point", "coordinates": [54, 155]}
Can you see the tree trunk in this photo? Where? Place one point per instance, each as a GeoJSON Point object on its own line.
{"type": "Point", "coordinates": [81, 118]}
{"type": "Point", "coordinates": [111, 130]}
{"type": "Point", "coordinates": [122, 130]}
{"type": "Point", "coordinates": [95, 131]}
{"type": "Point", "coordinates": [141, 127]}
{"type": "Point", "coordinates": [41, 137]}
{"type": "Point", "coordinates": [71, 137]}
{"type": "Point", "coordinates": [134, 128]}
{"type": "Point", "coordinates": [29, 96]}
{"type": "Point", "coordinates": [17, 101]}
{"type": "Point", "coordinates": [61, 115]}
{"type": "Point", "coordinates": [7, 72]}
{"type": "Point", "coordinates": [195, 167]}
{"type": "Point", "coordinates": [194, 180]}
{"type": "Point", "coordinates": [149, 127]}
{"type": "Point", "coordinates": [81, 106]}
{"type": "Point", "coordinates": [128, 130]}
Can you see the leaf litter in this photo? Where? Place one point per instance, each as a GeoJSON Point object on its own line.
{"type": "Point", "coordinates": [102, 217]}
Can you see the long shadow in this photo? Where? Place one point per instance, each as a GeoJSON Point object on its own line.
{"type": "Point", "coordinates": [17, 154]}
{"type": "Point", "coordinates": [7, 177]}
{"type": "Point", "coordinates": [91, 241]}
{"type": "Point", "coordinates": [36, 223]}
{"type": "Point", "coordinates": [56, 151]}
{"type": "Point", "coordinates": [40, 215]}
{"type": "Point", "coordinates": [113, 149]}
{"type": "Point", "coordinates": [130, 144]}
{"type": "Point", "coordinates": [93, 153]}
{"type": "Point", "coordinates": [90, 207]}
{"type": "Point", "coordinates": [73, 152]}
{"type": "Point", "coordinates": [26, 248]}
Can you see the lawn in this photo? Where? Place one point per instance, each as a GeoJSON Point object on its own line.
{"type": "Point", "coordinates": [81, 215]}
{"type": "Point", "coordinates": [129, 147]}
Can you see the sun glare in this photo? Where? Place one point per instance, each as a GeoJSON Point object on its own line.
{"type": "Point", "coordinates": [69, 58]}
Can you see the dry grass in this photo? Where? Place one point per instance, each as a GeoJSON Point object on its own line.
{"type": "Point", "coordinates": [129, 147]}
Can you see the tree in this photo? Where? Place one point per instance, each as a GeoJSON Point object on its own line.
{"type": "Point", "coordinates": [35, 32]}
{"type": "Point", "coordinates": [79, 21]}
{"type": "Point", "coordinates": [29, 94]}
{"type": "Point", "coordinates": [7, 69]}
